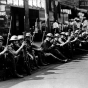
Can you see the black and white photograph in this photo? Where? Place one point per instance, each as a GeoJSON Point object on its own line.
{"type": "Point", "coordinates": [43, 43]}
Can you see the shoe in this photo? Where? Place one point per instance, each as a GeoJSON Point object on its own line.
{"type": "Point", "coordinates": [18, 76]}
{"type": "Point", "coordinates": [38, 67]}
{"type": "Point", "coordinates": [65, 60]}
{"type": "Point", "coordinates": [43, 64]}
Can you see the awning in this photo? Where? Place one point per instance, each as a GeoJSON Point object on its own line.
{"type": "Point", "coordinates": [66, 3]}
{"type": "Point", "coordinates": [82, 10]}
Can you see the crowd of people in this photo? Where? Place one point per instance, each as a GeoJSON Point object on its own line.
{"type": "Point", "coordinates": [21, 56]}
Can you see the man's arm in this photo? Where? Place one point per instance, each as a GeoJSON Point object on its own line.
{"type": "Point", "coordinates": [5, 49]}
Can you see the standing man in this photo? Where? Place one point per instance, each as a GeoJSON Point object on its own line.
{"type": "Point", "coordinates": [55, 27]}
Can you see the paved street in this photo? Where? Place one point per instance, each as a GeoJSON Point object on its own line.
{"type": "Point", "coordinates": [69, 75]}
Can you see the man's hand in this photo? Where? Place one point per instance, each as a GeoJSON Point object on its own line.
{"type": "Point", "coordinates": [24, 43]}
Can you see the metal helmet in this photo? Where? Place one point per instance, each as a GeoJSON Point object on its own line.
{"type": "Point", "coordinates": [62, 33]}
{"type": "Point", "coordinates": [20, 37]}
{"type": "Point", "coordinates": [28, 34]}
{"type": "Point", "coordinates": [67, 22]}
{"type": "Point", "coordinates": [67, 33]}
{"type": "Point", "coordinates": [49, 35]}
{"type": "Point", "coordinates": [56, 35]}
{"type": "Point", "coordinates": [13, 38]}
{"type": "Point", "coordinates": [1, 38]}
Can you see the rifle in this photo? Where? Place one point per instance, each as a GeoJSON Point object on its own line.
{"type": "Point", "coordinates": [8, 35]}
{"type": "Point", "coordinates": [32, 37]}
{"type": "Point", "coordinates": [26, 58]}
{"type": "Point", "coordinates": [9, 32]}
{"type": "Point", "coordinates": [43, 36]}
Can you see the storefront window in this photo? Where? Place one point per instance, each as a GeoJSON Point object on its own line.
{"type": "Point", "coordinates": [20, 2]}
{"type": "Point", "coordinates": [3, 1]}
{"type": "Point", "coordinates": [9, 2]}
{"type": "Point", "coordinates": [38, 3]}
{"type": "Point", "coordinates": [15, 2]}
{"type": "Point", "coordinates": [2, 7]}
{"type": "Point", "coordinates": [34, 2]}
{"type": "Point", "coordinates": [30, 2]}
{"type": "Point", "coordinates": [43, 3]}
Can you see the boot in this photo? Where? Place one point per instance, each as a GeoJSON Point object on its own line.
{"type": "Point", "coordinates": [14, 71]}
{"type": "Point", "coordinates": [28, 69]}
{"type": "Point", "coordinates": [17, 75]}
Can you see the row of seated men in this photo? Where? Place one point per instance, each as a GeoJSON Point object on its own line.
{"type": "Point", "coordinates": [21, 56]}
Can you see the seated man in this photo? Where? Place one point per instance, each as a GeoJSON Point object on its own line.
{"type": "Point", "coordinates": [14, 49]}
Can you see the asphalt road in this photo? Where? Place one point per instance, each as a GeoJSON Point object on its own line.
{"type": "Point", "coordinates": [73, 74]}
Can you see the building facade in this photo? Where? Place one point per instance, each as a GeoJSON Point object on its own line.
{"type": "Point", "coordinates": [15, 9]}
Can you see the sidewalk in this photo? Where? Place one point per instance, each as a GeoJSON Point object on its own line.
{"type": "Point", "coordinates": [68, 75]}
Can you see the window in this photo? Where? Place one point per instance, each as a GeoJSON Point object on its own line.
{"type": "Point", "coordinates": [30, 2]}
{"type": "Point", "coordinates": [15, 2]}
{"type": "Point", "coordinates": [43, 3]}
{"type": "Point", "coordinates": [34, 2]}
{"type": "Point", "coordinates": [9, 1]}
{"type": "Point", "coordinates": [21, 3]}
{"type": "Point", "coordinates": [2, 7]}
{"type": "Point", "coordinates": [39, 3]}
{"type": "Point", "coordinates": [3, 1]}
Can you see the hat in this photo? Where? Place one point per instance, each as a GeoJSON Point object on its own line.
{"type": "Point", "coordinates": [66, 33]}
{"type": "Point", "coordinates": [56, 35]}
{"type": "Point", "coordinates": [62, 33]}
{"type": "Point", "coordinates": [20, 37]}
{"type": "Point", "coordinates": [13, 38]}
{"type": "Point", "coordinates": [28, 34]}
{"type": "Point", "coordinates": [49, 35]}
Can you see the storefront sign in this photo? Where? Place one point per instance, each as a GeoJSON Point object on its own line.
{"type": "Point", "coordinates": [36, 3]}
{"type": "Point", "coordinates": [83, 4]}
{"type": "Point", "coordinates": [66, 11]}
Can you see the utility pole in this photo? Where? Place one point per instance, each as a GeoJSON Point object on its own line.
{"type": "Point", "coordinates": [26, 17]}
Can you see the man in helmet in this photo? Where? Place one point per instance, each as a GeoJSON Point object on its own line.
{"type": "Point", "coordinates": [31, 52]}
{"type": "Point", "coordinates": [14, 49]}
{"type": "Point", "coordinates": [24, 55]}
{"type": "Point", "coordinates": [3, 50]}
{"type": "Point", "coordinates": [56, 48]}
{"type": "Point", "coordinates": [47, 42]}
{"type": "Point", "coordinates": [48, 48]}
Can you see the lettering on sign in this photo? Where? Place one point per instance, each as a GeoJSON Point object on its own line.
{"type": "Point", "coordinates": [1, 18]}
{"type": "Point", "coordinates": [83, 4]}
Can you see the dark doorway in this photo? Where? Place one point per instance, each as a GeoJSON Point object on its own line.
{"type": "Point", "coordinates": [33, 16]}
{"type": "Point", "coordinates": [17, 20]}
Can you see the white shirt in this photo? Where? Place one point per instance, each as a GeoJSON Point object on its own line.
{"type": "Point", "coordinates": [55, 25]}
